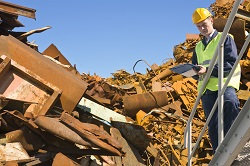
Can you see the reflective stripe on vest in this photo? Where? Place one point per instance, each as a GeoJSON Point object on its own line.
{"type": "Point", "coordinates": [204, 56]}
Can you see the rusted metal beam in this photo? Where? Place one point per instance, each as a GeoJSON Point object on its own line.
{"type": "Point", "coordinates": [13, 104]}
{"type": "Point", "coordinates": [53, 126]}
{"type": "Point", "coordinates": [81, 130]}
{"type": "Point", "coordinates": [15, 119]}
{"type": "Point", "coordinates": [13, 9]}
{"type": "Point", "coordinates": [4, 66]}
{"type": "Point", "coordinates": [22, 85]}
{"type": "Point", "coordinates": [50, 102]}
{"type": "Point", "coordinates": [71, 86]}
{"type": "Point", "coordinates": [9, 22]}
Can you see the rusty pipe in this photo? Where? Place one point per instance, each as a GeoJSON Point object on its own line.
{"type": "Point", "coordinates": [145, 102]}
{"type": "Point", "coordinates": [163, 74]}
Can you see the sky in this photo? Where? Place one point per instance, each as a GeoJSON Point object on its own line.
{"type": "Point", "coordinates": [103, 36]}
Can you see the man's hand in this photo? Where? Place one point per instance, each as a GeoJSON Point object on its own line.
{"type": "Point", "coordinates": [202, 70]}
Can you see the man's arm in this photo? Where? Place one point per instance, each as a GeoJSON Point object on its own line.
{"type": "Point", "coordinates": [230, 56]}
{"type": "Point", "coordinates": [201, 69]}
{"type": "Point", "coordinates": [194, 59]}
{"type": "Point", "coordinates": [195, 62]}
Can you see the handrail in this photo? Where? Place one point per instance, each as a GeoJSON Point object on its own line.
{"type": "Point", "coordinates": [222, 91]}
{"type": "Point", "coordinates": [188, 130]}
{"type": "Point", "coordinates": [220, 97]}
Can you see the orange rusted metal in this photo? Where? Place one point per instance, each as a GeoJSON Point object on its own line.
{"type": "Point", "coordinates": [11, 163]}
{"type": "Point", "coordinates": [26, 137]}
{"type": "Point", "coordinates": [244, 14]}
{"type": "Point", "coordinates": [135, 134]}
{"type": "Point", "coordinates": [53, 52]}
{"type": "Point", "coordinates": [53, 126]}
{"type": "Point", "coordinates": [72, 87]}
{"type": "Point", "coordinates": [22, 36]}
{"type": "Point", "coordinates": [62, 160]}
{"type": "Point", "coordinates": [237, 30]}
{"type": "Point", "coordinates": [13, 9]}
{"type": "Point", "coordinates": [187, 91]}
{"type": "Point", "coordinates": [145, 102]}
{"type": "Point", "coordinates": [13, 104]}
{"type": "Point", "coordinates": [223, 2]}
{"type": "Point", "coordinates": [192, 36]}
{"type": "Point", "coordinates": [163, 74]}
{"type": "Point", "coordinates": [27, 78]}
{"type": "Point", "coordinates": [20, 84]}
{"type": "Point", "coordinates": [245, 68]}
{"type": "Point", "coordinates": [83, 129]}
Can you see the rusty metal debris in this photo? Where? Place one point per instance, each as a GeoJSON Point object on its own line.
{"type": "Point", "coordinates": [13, 152]}
{"type": "Point", "coordinates": [93, 133]}
{"type": "Point", "coordinates": [46, 71]}
{"type": "Point", "coordinates": [61, 117]}
{"type": "Point", "coordinates": [16, 9]}
{"type": "Point", "coordinates": [22, 84]}
{"type": "Point", "coordinates": [62, 160]}
{"type": "Point", "coordinates": [53, 52]}
{"type": "Point", "coordinates": [53, 126]}
{"type": "Point", "coordinates": [145, 101]}
{"type": "Point", "coordinates": [237, 30]}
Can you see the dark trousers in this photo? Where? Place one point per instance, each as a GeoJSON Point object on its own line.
{"type": "Point", "coordinates": [231, 110]}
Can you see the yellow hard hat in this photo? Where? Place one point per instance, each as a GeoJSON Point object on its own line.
{"type": "Point", "coordinates": [200, 14]}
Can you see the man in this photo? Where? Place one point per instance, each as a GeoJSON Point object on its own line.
{"type": "Point", "coordinates": [202, 55]}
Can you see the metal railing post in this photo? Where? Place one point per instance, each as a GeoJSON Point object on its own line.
{"type": "Point", "coordinates": [220, 97]}
{"type": "Point", "coordinates": [189, 143]}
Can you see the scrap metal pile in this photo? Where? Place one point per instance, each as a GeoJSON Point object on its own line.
{"type": "Point", "coordinates": [50, 114]}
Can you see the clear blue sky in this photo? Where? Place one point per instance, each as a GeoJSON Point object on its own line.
{"type": "Point", "coordinates": [102, 36]}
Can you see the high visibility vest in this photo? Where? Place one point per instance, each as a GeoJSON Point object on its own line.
{"type": "Point", "coordinates": [204, 56]}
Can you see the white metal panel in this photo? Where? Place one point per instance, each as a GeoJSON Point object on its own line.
{"type": "Point", "coordinates": [100, 111]}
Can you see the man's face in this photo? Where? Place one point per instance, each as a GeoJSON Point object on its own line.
{"type": "Point", "coordinates": [205, 27]}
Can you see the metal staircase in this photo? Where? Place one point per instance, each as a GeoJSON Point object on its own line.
{"type": "Point", "coordinates": [235, 140]}
{"type": "Point", "coordinates": [239, 133]}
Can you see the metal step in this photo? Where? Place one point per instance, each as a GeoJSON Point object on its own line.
{"type": "Point", "coordinates": [235, 139]}
{"type": "Point", "coordinates": [243, 159]}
